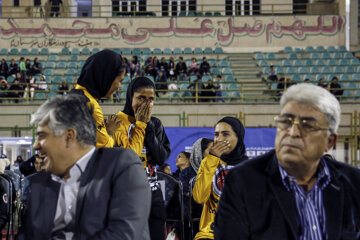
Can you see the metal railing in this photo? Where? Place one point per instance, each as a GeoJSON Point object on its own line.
{"type": "Point", "coordinates": [158, 10]}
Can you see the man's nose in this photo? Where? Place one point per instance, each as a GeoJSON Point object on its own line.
{"type": "Point", "coordinates": [294, 130]}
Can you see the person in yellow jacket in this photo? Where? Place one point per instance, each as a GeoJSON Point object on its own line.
{"type": "Point", "coordinates": [227, 150]}
{"type": "Point", "coordinates": [100, 77]}
{"type": "Point", "coordinates": [145, 134]}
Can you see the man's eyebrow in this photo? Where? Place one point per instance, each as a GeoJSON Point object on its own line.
{"type": "Point", "coordinates": [294, 116]}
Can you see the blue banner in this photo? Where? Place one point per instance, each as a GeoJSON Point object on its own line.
{"type": "Point", "coordinates": [257, 140]}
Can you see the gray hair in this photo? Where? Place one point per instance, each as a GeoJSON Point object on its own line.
{"type": "Point", "coordinates": [67, 111]}
{"type": "Point", "coordinates": [318, 97]}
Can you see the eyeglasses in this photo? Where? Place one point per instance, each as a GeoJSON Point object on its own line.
{"type": "Point", "coordinates": [304, 124]}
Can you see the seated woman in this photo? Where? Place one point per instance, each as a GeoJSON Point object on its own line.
{"type": "Point", "coordinates": [100, 77]}
{"type": "Point", "coordinates": [227, 150]}
{"type": "Point", "coordinates": [145, 134]}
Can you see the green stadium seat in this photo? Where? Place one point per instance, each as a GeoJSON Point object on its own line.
{"type": "Point", "coordinates": [357, 94]}
{"type": "Point", "coordinates": [75, 51]}
{"type": "Point", "coordinates": [297, 63]}
{"type": "Point", "coordinates": [355, 76]}
{"type": "Point", "coordinates": [85, 51]}
{"type": "Point", "coordinates": [292, 55]}
{"type": "Point", "coordinates": [40, 96]}
{"type": "Point", "coordinates": [303, 70]}
{"type": "Point", "coordinates": [178, 51]}
{"type": "Point", "coordinates": [167, 51]}
{"type": "Point", "coordinates": [309, 63]}
{"type": "Point", "coordinates": [348, 55]}
{"type": "Point", "coordinates": [320, 62]}
{"type": "Point", "coordinates": [50, 65]}
{"type": "Point", "coordinates": [72, 65]}
{"type": "Point", "coordinates": [280, 70]}
{"type": "Point", "coordinates": [295, 78]}
{"type": "Point", "coordinates": [208, 14]}
{"type": "Point", "coordinates": [224, 63]}
{"type": "Point", "coordinates": [48, 72]}
{"type": "Point", "coordinates": [69, 79]}
{"type": "Point", "coordinates": [10, 79]}
{"type": "Point", "coordinates": [286, 63]}
{"type": "Point", "coordinates": [146, 51]}
{"type": "Point", "coordinates": [65, 51]}
{"type": "Point", "coordinates": [95, 50]}
{"type": "Point", "coordinates": [127, 79]}
{"type": "Point", "coordinates": [81, 64]}
{"type": "Point", "coordinates": [314, 55]}
{"type": "Point", "coordinates": [342, 49]}
{"type": "Point", "coordinates": [61, 65]}
{"type": "Point", "coordinates": [215, 71]}
{"type": "Point", "coordinates": [193, 78]}
{"type": "Point", "coordinates": [205, 78]}
{"type": "Point", "coordinates": [235, 96]}
{"type": "Point", "coordinates": [314, 70]}
{"type": "Point", "coordinates": [53, 57]}
{"type": "Point", "coordinates": [229, 78]}
{"type": "Point", "coordinates": [270, 56]}
{"type": "Point", "coordinates": [74, 57]}
{"type": "Point", "coordinates": [54, 87]}
{"type": "Point", "coordinates": [338, 70]}
{"type": "Point", "coordinates": [351, 85]}
{"type": "Point", "coordinates": [291, 70]}
{"type": "Point", "coordinates": [298, 50]}
{"type": "Point", "coordinates": [354, 62]}
{"type": "Point", "coordinates": [70, 71]}
{"type": "Point", "coordinates": [198, 51]}
{"type": "Point", "coordinates": [216, 14]}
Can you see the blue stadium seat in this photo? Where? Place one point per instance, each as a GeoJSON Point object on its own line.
{"type": "Point", "coordinates": [126, 51]}
{"type": "Point", "coordinates": [157, 51]}
{"type": "Point", "coordinates": [348, 55]}
{"type": "Point", "coordinates": [95, 50]}
{"type": "Point", "coordinates": [285, 63]}
{"type": "Point", "coordinates": [309, 49]}
{"type": "Point", "coordinates": [314, 70]}
{"type": "Point", "coordinates": [270, 56]}
{"type": "Point", "coordinates": [48, 72]}
{"type": "Point", "coordinates": [325, 55]}
{"type": "Point", "coordinates": [117, 50]}
{"type": "Point", "coordinates": [263, 63]}
{"type": "Point", "coordinates": [337, 55]}
{"type": "Point", "coordinates": [320, 62]}
{"type": "Point", "coordinates": [188, 51]}
{"type": "Point", "coordinates": [357, 94]}
{"type": "Point", "coordinates": [50, 64]}
{"type": "Point", "coordinates": [331, 49]}
{"type": "Point", "coordinates": [295, 78]}
{"type": "Point", "coordinates": [208, 50]}
{"type": "Point", "coordinates": [308, 76]}
{"type": "Point", "coordinates": [331, 76]}
{"type": "Point", "coordinates": [320, 76]}
{"type": "Point", "coordinates": [259, 56]}
{"type": "Point", "coordinates": [61, 65]}
{"type": "Point", "coordinates": [10, 79]}
{"type": "Point", "coordinates": [72, 65]}
{"type": "Point", "coordinates": [53, 57]}
{"type": "Point", "coordinates": [40, 96]}
{"type": "Point", "coordinates": [351, 85]}
{"type": "Point", "coordinates": [24, 52]}
{"type": "Point", "coordinates": [3, 51]}
{"type": "Point", "coordinates": [74, 57]}
{"type": "Point", "coordinates": [226, 71]}
{"type": "Point", "coordinates": [309, 63]}
{"type": "Point", "coordinates": [229, 78]}
{"type": "Point", "coordinates": [146, 51]}
{"type": "Point", "coordinates": [297, 63]}
{"type": "Point", "coordinates": [344, 77]}
{"type": "Point", "coordinates": [205, 78]}
{"type": "Point", "coordinates": [65, 51]}
{"type": "Point", "coordinates": [342, 49]}
{"type": "Point", "coordinates": [331, 62]}
{"type": "Point", "coordinates": [218, 50]}
{"type": "Point", "coordinates": [354, 62]}
{"type": "Point", "coordinates": [75, 51]}
{"type": "Point", "coordinates": [314, 55]}
{"type": "Point", "coordinates": [280, 70]}
{"type": "Point", "coordinates": [320, 49]}
{"type": "Point", "coordinates": [51, 94]}
{"type": "Point", "coordinates": [303, 70]}
{"type": "Point", "coordinates": [178, 51]}
{"type": "Point", "coordinates": [81, 64]}
{"type": "Point", "coordinates": [13, 51]}
{"type": "Point", "coordinates": [70, 71]}
{"type": "Point", "coordinates": [198, 51]}
{"type": "Point", "coordinates": [288, 49]}
{"type": "Point", "coordinates": [292, 55]}
{"type": "Point", "coordinates": [298, 50]}
{"type": "Point", "coordinates": [167, 51]}
{"type": "Point", "coordinates": [57, 79]}
{"type": "Point", "coordinates": [326, 70]}
{"type": "Point", "coordinates": [343, 62]}
{"type": "Point", "coordinates": [136, 51]}
{"type": "Point", "coordinates": [224, 63]}
{"type": "Point", "coordinates": [349, 69]}
{"type": "Point", "coordinates": [85, 51]}
{"type": "Point", "coordinates": [291, 70]}
{"type": "Point", "coordinates": [355, 76]}
{"type": "Point", "coordinates": [338, 70]}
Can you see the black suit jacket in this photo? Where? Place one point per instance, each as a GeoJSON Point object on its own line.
{"type": "Point", "coordinates": [255, 204]}
{"type": "Point", "coordinates": [113, 201]}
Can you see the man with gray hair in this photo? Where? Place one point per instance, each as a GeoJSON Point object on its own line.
{"type": "Point", "coordinates": [295, 191]}
{"type": "Point", "coordinates": [85, 193]}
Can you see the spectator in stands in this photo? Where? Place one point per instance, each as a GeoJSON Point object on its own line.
{"type": "Point", "coordinates": [31, 87]}
{"type": "Point", "coordinates": [199, 151]}
{"type": "Point", "coordinates": [19, 160]}
{"type": "Point", "coordinates": [145, 134]}
{"type": "Point", "coordinates": [36, 67]}
{"type": "Point", "coordinates": [127, 66]}
{"type": "Point", "coordinates": [4, 162]}
{"type": "Point", "coordinates": [28, 67]}
{"type": "Point", "coordinates": [272, 76]}
{"type": "Point", "coordinates": [74, 84]}
{"type": "Point", "coordinates": [100, 77]}
{"type": "Point", "coordinates": [148, 66]}
{"type": "Point", "coordinates": [161, 83]}
{"type": "Point", "coordinates": [165, 168]}
{"type": "Point", "coordinates": [4, 68]}
{"type": "Point", "coordinates": [205, 67]}
{"type": "Point", "coordinates": [227, 150]}
{"type": "Point", "coordinates": [210, 91]}
{"type": "Point", "coordinates": [63, 87]}
{"type": "Point", "coordinates": [13, 68]}
{"type": "Point", "coordinates": [164, 66]}
{"type": "Point", "coordinates": [22, 67]}
{"type": "Point", "coordinates": [3, 89]}
{"type": "Point", "coordinates": [194, 67]}
{"type": "Point", "coordinates": [295, 191]}
{"type": "Point", "coordinates": [39, 163]}
{"type": "Point", "coordinates": [16, 91]}
{"type": "Point", "coordinates": [109, 183]}
{"type": "Point", "coordinates": [55, 7]}
{"type": "Point", "coordinates": [181, 69]}
{"type": "Point", "coordinates": [27, 167]}
{"type": "Point", "coordinates": [42, 84]}
{"type": "Point", "coordinates": [322, 83]}
{"type": "Point", "coordinates": [155, 67]}
{"type": "Point", "coordinates": [198, 87]}
{"type": "Point", "coordinates": [220, 87]}
{"type": "Point", "coordinates": [38, 8]}
{"type": "Point", "coordinates": [172, 65]}
{"type": "Point", "coordinates": [134, 66]}
{"type": "Point", "coordinates": [335, 88]}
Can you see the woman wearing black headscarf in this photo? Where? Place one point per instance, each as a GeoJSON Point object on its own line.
{"type": "Point", "coordinates": [145, 135]}
{"type": "Point", "coordinates": [227, 150]}
{"type": "Point", "coordinates": [100, 77]}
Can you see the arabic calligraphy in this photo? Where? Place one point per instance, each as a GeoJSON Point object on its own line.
{"type": "Point", "coordinates": [224, 30]}
{"type": "Point", "coordinates": [41, 43]}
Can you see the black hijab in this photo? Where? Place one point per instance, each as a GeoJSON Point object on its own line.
{"type": "Point", "coordinates": [135, 84]}
{"type": "Point", "coordinates": [238, 154]}
{"type": "Point", "coordinates": [100, 71]}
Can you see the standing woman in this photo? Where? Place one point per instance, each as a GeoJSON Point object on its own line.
{"type": "Point", "coordinates": [145, 135]}
{"type": "Point", "coordinates": [100, 77]}
{"type": "Point", "coordinates": [227, 150]}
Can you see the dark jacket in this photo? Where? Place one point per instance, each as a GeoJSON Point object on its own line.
{"type": "Point", "coordinates": [113, 201]}
{"type": "Point", "coordinates": [255, 204]}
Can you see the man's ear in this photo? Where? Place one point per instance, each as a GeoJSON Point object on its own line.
{"type": "Point", "coordinates": [331, 141]}
{"type": "Point", "coordinates": [70, 136]}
